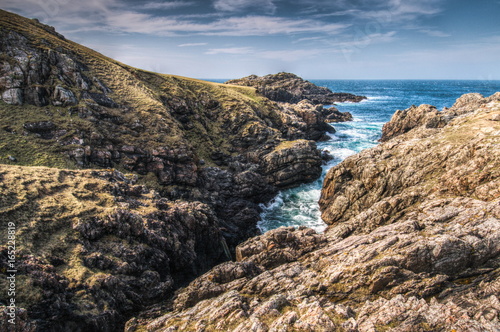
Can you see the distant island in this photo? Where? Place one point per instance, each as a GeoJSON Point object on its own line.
{"type": "Point", "coordinates": [129, 201]}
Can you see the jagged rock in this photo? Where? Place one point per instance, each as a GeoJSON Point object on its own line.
{"type": "Point", "coordinates": [428, 116]}
{"type": "Point", "coordinates": [291, 163]}
{"type": "Point", "coordinates": [334, 115]}
{"type": "Point", "coordinates": [403, 121]}
{"type": "Point", "coordinates": [13, 96]}
{"type": "Point", "coordinates": [63, 97]}
{"type": "Point", "coordinates": [289, 88]}
{"type": "Point", "coordinates": [305, 117]}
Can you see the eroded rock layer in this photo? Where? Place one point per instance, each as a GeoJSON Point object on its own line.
{"type": "Point", "coordinates": [413, 243]}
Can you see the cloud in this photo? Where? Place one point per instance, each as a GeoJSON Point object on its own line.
{"type": "Point", "coordinates": [192, 44]}
{"type": "Point", "coordinates": [291, 55]}
{"type": "Point", "coordinates": [265, 25]}
{"type": "Point", "coordinates": [392, 11]}
{"type": "Point", "coordinates": [133, 22]}
{"type": "Point", "coordinates": [266, 6]}
{"type": "Point", "coordinates": [230, 50]}
{"type": "Point", "coordinates": [167, 5]}
{"type": "Point", "coordinates": [435, 33]}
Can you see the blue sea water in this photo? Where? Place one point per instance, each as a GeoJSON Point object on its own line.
{"type": "Point", "coordinates": [299, 206]}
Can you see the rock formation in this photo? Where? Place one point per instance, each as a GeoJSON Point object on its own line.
{"type": "Point", "coordinates": [428, 116]}
{"type": "Point", "coordinates": [289, 88]}
{"type": "Point", "coordinates": [150, 179]}
{"type": "Point", "coordinates": [412, 242]}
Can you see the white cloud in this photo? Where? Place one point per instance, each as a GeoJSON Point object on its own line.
{"type": "Point", "coordinates": [265, 25]}
{"type": "Point", "coordinates": [392, 11]}
{"type": "Point", "coordinates": [266, 6]}
{"type": "Point", "coordinates": [133, 22]}
{"type": "Point", "coordinates": [435, 33]}
{"type": "Point", "coordinates": [167, 5]}
{"type": "Point", "coordinates": [192, 44]}
{"type": "Point", "coordinates": [230, 50]}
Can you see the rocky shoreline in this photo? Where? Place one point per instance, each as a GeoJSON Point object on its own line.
{"type": "Point", "coordinates": [412, 242]}
{"type": "Point", "coordinates": [135, 197]}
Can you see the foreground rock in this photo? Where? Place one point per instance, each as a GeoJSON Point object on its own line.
{"type": "Point", "coordinates": [412, 245]}
{"type": "Point", "coordinates": [92, 246]}
{"type": "Point", "coordinates": [289, 88]}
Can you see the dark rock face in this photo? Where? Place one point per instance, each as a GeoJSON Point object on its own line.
{"type": "Point", "coordinates": [119, 247]}
{"type": "Point", "coordinates": [30, 74]}
{"type": "Point", "coordinates": [289, 88]}
{"type": "Point", "coordinates": [412, 244]}
{"type": "Point", "coordinates": [291, 163]}
{"type": "Point", "coordinates": [309, 121]}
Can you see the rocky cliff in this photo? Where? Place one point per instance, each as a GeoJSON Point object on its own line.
{"type": "Point", "coordinates": [412, 242]}
{"type": "Point", "coordinates": [148, 180]}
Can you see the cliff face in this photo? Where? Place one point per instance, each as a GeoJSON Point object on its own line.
{"type": "Point", "coordinates": [173, 172]}
{"type": "Point", "coordinates": [412, 243]}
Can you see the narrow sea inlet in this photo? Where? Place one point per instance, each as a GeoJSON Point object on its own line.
{"type": "Point", "coordinates": [299, 206]}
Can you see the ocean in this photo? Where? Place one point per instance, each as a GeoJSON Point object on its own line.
{"type": "Point", "coordinates": [299, 206]}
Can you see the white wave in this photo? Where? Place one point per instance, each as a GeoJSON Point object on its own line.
{"type": "Point", "coordinates": [342, 153]}
{"type": "Point", "coordinates": [355, 133]}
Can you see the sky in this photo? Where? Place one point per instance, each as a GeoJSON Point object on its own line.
{"type": "Point", "coordinates": [315, 39]}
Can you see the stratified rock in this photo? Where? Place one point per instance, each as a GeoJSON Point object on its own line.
{"type": "Point", "coordinates": [404, 121]}
{"type": "Point", "coordinates": [289, 88]}
{"type": "Point", "coordinates": [428, 116]}
{"type": "Point", "coordinates": [306, 120]}
{"type": "Point", "coordinates": [412, 245]}
{"type": "Point", "coordinates": [291, 163]}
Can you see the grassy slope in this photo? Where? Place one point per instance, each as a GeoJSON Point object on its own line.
{"type": "Point", "coordinates": [138, 89]}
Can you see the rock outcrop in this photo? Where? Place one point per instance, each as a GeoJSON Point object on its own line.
{"type": "Point", "coordinates": [305, 117]}
{"type": "Point", "coordinates": [289, 88]}
{"type": "Point", "coordinates": [412, 244]}
{"type": "Point", "coordinates": [92, 246]}
{"type": "Point", "coordinates": [291, 163]}
{"type": "Point", "coordinates": [430, 117]}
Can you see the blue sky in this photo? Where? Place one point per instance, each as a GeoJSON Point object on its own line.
{"type": "Point", "coordinates": [336, 39]}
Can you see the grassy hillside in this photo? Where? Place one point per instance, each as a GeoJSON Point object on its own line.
{"type": "Point", "coordinates": [165, 109]}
